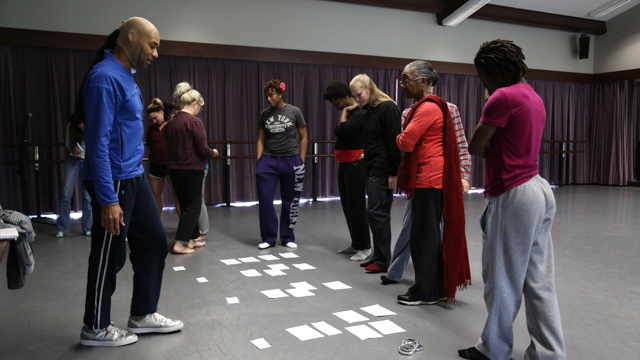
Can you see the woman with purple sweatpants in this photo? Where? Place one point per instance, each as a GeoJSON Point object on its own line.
{"type": "Point", "coordinates": [279, 160]}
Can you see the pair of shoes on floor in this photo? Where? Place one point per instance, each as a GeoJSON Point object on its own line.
{"type": "Point", "coordinates": [374, 269]}
{"type": "Point", "coordinates": [59, 235]}
{"type": "Point", "coordinates": [472, 353]}
{"type": "Point", "coordinates": [349, 250]}
{"type": "Point", "coordinates": [361, 255]}
{"type": "Point", "coordinates": [410, 347]}
{"type": "Point", "coordinates": [387, 281]}
{"type": "Point", "coordinates": [408, 299]}
{"type": "Point", "coordinates": [114, 336]}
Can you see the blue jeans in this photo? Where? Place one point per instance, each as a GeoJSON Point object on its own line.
{"type": "Point", "coordinates": [71, 174]}
{"type": "Point", "coordinates": [402, 250]}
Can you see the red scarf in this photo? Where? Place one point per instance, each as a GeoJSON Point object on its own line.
{"type": "Point", "coordinates": [455, 270]}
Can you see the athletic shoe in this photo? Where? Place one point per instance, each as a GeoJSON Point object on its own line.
{"type": "Point", "coordinates": [349, 250]}
{"type": "Point", "coordinates": [366, 263]}
{"type": "Point", "coordinates": [387, 281]}
{"type": "Point", "coordinates": [291, 245]}
{"type": "Point", "coordinates": [59, 235]}
{"type": "Point", "coordinates": [153, 323]}
{"type": "Point", "coordinates": [407, 299]}
{"type": "Point", "coordinates": [88, 233]}
{"type": "Point", "coordinates": [373, 268]}
{"type": "Point", "coordinates": [472, 353]}
{"type": "Point", "coordinates": [111, 336]}
{"type": "Point", "coordinates": [265, 245]}
{"type": "Point", "coordinates": [361, 255]}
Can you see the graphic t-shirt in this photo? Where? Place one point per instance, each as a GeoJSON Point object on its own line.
{"type": "Point", "coordinates": [280, 128]}
{"type": "Point", "coordinates": [512, 152]}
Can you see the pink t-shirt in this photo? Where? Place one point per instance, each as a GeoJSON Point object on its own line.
{"type": "Point", "coordinates": [512, 152]}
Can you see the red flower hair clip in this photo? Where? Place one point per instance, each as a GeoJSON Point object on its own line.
{"type": "Point", "coordinates": [282, 86]}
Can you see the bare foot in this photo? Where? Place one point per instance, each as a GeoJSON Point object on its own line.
{"type": "Point", "coordinates": [202, 237]}
{"type": "Point", "coordinates": [196, 243]}
{"type": "Point", "coordinates": [182, 247]}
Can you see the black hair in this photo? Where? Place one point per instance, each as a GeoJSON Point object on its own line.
{"type": "Point", "coordinates": [170, 109]}
{"type": "Point", "coordinates": [337, 90]}
{"type": "Point", "coordinates": [501, 59]}
{"type": "Point", "coordinates": [108, 44]}
{"type": "Point", "coordinates": [273, 84]}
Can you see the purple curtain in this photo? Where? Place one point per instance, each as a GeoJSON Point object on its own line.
{"type": "Point", "coordinates": [44, 82]}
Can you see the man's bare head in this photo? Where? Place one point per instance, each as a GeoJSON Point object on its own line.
{"type": "Point", "coordinates": [139, 39]}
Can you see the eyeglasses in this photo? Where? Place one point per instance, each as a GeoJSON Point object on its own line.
{"type": "Point", "coordinates": [406, 82]}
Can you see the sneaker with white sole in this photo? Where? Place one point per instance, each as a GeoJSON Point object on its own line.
{"type": "Point", "coordinates": [110, 336]}
{"type": "Point", "coordinates": [361, 255]}
{"type": "Point", "coordinates": [349, 250]}
{"type": "Point", "coordinates": [153, 323]}
{"type": "Point", "coordinates": [265, 245]}
{"type": "Point", "coordinates": [59, 235]}
{"type": "Point", "coordinates": [291, 245]}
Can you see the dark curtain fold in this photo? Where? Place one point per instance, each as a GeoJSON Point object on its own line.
{"type": "Point", "coordinates": [45, 81]}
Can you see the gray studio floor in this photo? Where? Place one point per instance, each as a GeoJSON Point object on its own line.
{"type": "Point", "coordinates": [597, 251]}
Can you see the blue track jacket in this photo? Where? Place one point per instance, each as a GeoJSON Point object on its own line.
{"type": "Point", "coordinates": [113, 130]}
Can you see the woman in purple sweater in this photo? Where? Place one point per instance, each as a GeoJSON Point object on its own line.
{"type": "Point", "coordinates": [188, 152]}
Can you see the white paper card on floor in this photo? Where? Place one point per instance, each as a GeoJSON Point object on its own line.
{"type": "Point", "coordinates": [202, 280]}
{"type": "Point", "coordinates": [377, 310]}
{"type": "Point", "coordinates": [268, 257]}
{"type": "Point", "coordinates": [274, 294]}
{"type": "Point", "coordinates": [303, 285]}
{"type": "Point", "coordinates": [299, 292]}
{"type": "Point", "coordinates": [261, 343]}
{"type": "Point", "coordinates": [278, 266]}
{"type": "Point", "coordinates": [336, 285]}
{"type": "Point", "coordinates": [386, 327]}
{"type": "Point", "coordinates": [179, 268]}
{"type": "Point", "coordinates": [304, 332]}
{"type": "Point", "coordinates": [231, 262]}
{"type": "Point", "coordinates": [248, 259]}
{"type": "Point", "coordinates": [363, 332]}
{"type": "Point", "coordinates": [275, 272]}
{"type": "Point", "coordinates": [350, 316]}
{"type": "Point", "coordinates": [326, 328]}
{"type": "Point", "coordinates": [250, 273]}
{"type": "Point", "coordinates": [289, 255]}
{"type": "Point", "coordinates": [304, 266]}
{"type": "Point", "coordinates": [233, 300]}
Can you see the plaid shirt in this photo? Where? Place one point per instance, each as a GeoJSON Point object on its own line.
{"type": "Point", "coordinates": [463, 148]}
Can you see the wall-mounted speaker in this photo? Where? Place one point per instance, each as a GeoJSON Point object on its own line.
{"type": "Point", "coordinates": [583, 46]}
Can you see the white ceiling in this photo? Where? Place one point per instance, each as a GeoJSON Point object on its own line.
{"type": "Point", "coordinates": [575, 8]}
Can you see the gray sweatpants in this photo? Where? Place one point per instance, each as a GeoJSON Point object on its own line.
{"type": "Point", "coordinates": [203, 220]}
{"type": "Point", "coordinates": [517, 260]}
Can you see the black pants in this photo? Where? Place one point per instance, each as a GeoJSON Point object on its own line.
{"type": "Point", "coordinates": [148, 250]}
{"type": "Point", "coordinates": [426, 244]}
{"type": "Point", "coordinates": [379, 211]}
{"type": "Point", "coordinates": [188, 187]}
{"type": "Point", "coordinates": [352, 184]}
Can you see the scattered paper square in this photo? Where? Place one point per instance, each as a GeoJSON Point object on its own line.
{"type": "Point", "coordinates": [387, 327]}
{"type": "Point", "coordinates": [300, 292]}
{"type": "Point", "coordinates": [304, 332]}
{"type": "Point", "coordinates": [248, 259]}
{"type": "Point", "coordinates": [303, 285]}
{"type": "Point", "coordinates": [336, 285]}
{"type": "Point", "coordinates": [377, 310]}
{"type": "Point", "coordinates": [250, 273]}
{"type": "Point", "coordinates": [268, 257]}
{"type": "Point", "coordinates": [350, 316]}
{"type": "Point", "coordinates": [289, 255]}
{"type": "Point", "coordinates": [179, 268]}
{"type": "Point", "coordinates": [326, 328]}
{"type": "Point", "coordinates": [304, 266]}
{"type": "Point", "coordinates": [363, 332]}
{"type": "Point", "coordinates": [231, 262]}
{"type": "Point", "coordinates": [275, 272]}
{"type": "Point", "coordinates": [261, 343]}
{"type": "Point", "coordinates": [233, 300]}
{"type": "Point", "coordinates": [279, 267]}
{"type": "Point", "coordinates": [202, 280]}
{"type": "Point", "coordinates": [274, 294]}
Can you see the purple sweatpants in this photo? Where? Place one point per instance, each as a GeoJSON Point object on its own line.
{"type": "Point", "coordinates": [289, 171]}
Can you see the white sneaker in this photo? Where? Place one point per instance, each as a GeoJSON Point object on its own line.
{"type": "Point", "coordinates": [264, 245]}
{"type": "Point", "coordinates": [349, 250]}
{"type": "Point", "coordinates": [291, 245]}
{"type": "Point", "coordinates": [361, 255]}
{"type": "Point", "coordinates": [153, 323]}
{"type": "Point", "coordinates": [109, 336]}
